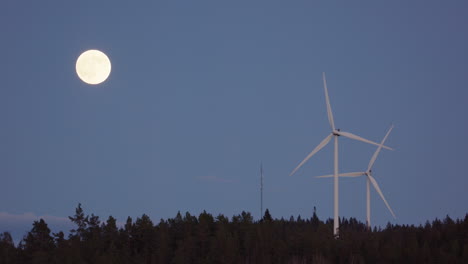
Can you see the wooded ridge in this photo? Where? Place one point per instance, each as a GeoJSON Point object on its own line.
{"type": "Point", "coordinates": [218, 239]}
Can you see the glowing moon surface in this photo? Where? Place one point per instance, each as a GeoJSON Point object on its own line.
{"type": "Point", "coordinates": [93, 67]}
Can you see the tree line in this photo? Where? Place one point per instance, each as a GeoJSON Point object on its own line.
{"type": "Point", "coordinates": [218, 239]}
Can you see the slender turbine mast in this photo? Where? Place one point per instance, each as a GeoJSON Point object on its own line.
{"type": "Point", "coordinates": [370, 180]}
{"type": "Point", "coordinates": [261, 190]}
{"type": "Point", "coordinates": [334, 133]}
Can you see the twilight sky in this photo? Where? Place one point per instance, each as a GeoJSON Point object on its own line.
{"type": "Point", "coordinates": [201, 92]}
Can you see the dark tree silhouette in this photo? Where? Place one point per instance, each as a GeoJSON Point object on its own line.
{"type": "Point", "coordinates": [207, 239]}
{"type": "Point", "coordinates": [38, 244]}
{"type": "Point", "coordinates": [8, 252]}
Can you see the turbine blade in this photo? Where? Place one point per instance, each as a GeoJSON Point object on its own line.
{"type": "Point", "coordinates": [352, 174]}
{"type": "Point", "coordinates": [355, 137]}
{"type": "Point", "coordinates": [347, 174]}
{"type": "Point", "coordinates": [327, 99]}
{"type": "Point", "coordinates": [374, 157]}
{"type": "Point", "coordinates": [319, 147]}
{"type": "Point", "coordinates": [377, 188]}
{"type": "Point", "coordinates": [324, 176]}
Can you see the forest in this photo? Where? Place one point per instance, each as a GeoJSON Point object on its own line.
{"type": "Point", "coordinates": [241, 239]}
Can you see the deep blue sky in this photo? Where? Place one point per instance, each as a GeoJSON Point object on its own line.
{"type": "Point", "coordinates": [202, 91]}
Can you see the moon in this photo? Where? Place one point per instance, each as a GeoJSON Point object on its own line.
{"type": "Point", "coordinates": [93, 67]}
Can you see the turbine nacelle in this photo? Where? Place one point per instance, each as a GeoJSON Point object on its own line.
{"type": "Point", "coordinates": [336, 132]}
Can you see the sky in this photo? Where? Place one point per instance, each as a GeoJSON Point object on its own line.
{"type": "Point", "coordinates": [202, 92]}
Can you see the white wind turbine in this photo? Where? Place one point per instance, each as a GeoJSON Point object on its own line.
{"type": "Point", "coordinates": [370, 179]}
{"type": "Point", "coordinates": [334, 133]}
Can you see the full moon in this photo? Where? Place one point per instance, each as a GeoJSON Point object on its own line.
{"type": "Point", "coordinates": [93, 67]}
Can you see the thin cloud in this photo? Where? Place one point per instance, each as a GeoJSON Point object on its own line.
{"type": "Point", "coordinates": [30, 217]}
{"type": "Point", "coordinates": [19, 224]}
{"type": "Point", "coordinates": [215, 179]}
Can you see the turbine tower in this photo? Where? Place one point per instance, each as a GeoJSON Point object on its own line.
{"type": "Point", "coordinates": [370, 179]}
{"type": "Point", "coordinates": [261, 190]}
{"type": "Point", "coordinates": [335, 133]}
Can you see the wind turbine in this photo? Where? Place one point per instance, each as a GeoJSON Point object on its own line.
{"type": "Point", "coordinates": [334, 133]}
{"type": "Point", "coordinates": [370, 179]}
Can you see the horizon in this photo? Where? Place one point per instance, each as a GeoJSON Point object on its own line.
{"type": "Point", "coordinates": [58, 224]}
